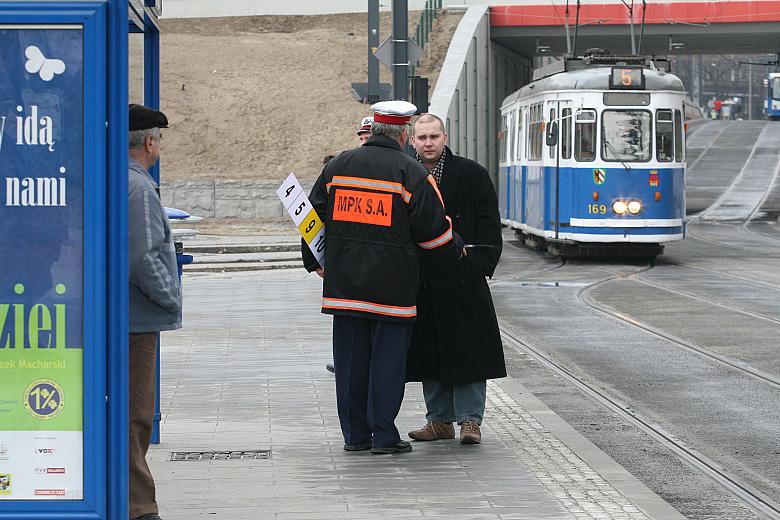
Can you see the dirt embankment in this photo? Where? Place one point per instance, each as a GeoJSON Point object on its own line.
{"type": "Point", "coordinates": [258, 97]}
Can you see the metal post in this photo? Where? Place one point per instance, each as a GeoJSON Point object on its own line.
{"type": "Point", "coordinates": [372, 94]}
{"type": "Point", "coordinates": [152, 100]}
{"type": "Point", "coordinates": [631, 25]}
{"type": "Point", "coordinates": [750, 91]}
{"type": "Point", "coordinates": [700, 80]}
{"type": "Point", "coordinates": [401, 50]}
{"type": "Point", "coordinates": [429, 12]}
{"type": "Point", "coordinates": [424, 22]}
{"type": "Point", "coordinates": [116, 271]}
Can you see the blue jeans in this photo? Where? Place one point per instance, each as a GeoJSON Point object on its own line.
{"type": "Point", "coordinates": [454, 402]}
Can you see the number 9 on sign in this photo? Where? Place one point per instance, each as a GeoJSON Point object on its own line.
{"type": "Point", "coordinates": [310, 226]}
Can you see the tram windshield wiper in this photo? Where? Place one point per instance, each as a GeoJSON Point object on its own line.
{"type": "Point", "coordinates": [626, 166]}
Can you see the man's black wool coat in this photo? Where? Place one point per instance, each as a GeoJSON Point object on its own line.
{"type": "Point", "coordinates": [456, 337]}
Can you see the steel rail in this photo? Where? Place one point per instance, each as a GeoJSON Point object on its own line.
{"type": "Point", "coordinates": [584, 296]}
{"type": "Point", "coordinates": [768, 285]}
{"type": "Point", "coordinates": [711, 143]}
{"type": "Point", "coordinates": [750, 497]}
{"type": "Point", "coordinates": [702, 215]}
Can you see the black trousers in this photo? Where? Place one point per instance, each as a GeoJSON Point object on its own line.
{"type": "Point", "coordinates": [370, 360]}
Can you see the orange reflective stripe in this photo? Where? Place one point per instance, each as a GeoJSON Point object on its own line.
{"type": "Point", "coordinates": [435, 188]}
{"type": "Point", "coordinates": [440, 240]}
{"type": "Point", "coordinates": [371, 184]}
{"type": "Point", "coordinates": [374, 308]}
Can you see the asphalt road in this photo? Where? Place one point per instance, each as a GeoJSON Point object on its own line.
{"type": "Point", "coordinates": [718, 291]}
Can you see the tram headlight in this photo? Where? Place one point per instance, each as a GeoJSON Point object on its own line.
{"type": "Point", "coordinates": [619, 207]}
{"type": "Point", "coordinates": [634, 207]}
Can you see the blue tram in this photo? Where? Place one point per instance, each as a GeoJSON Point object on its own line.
{"type": "Point", "coordinates": [773, 97]}
{"type": "Point", "coordinates": [592, 158]}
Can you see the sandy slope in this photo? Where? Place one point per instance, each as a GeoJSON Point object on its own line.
{"type": "Point", "coordinates": [258, 97]}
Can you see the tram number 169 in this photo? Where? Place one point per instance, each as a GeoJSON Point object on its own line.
{"type": "Point", "coordinates": [597, 209]}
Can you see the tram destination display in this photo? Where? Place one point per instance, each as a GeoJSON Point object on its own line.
{"type": "Point", "coordinates": [41, 246]}
{"type": "Point", "coordinates": [627, 78]}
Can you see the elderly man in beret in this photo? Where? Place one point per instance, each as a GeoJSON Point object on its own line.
{"type": "Point", "coordinates": [155, 297]}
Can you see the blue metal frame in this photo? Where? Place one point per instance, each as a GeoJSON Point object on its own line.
{"type": "Point", "coordinates": [146, 23]}
{"type": "Point", "coordinates": [117, 278]}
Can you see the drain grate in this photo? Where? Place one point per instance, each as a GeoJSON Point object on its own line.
{"type": "Point", "coordinates": [220, 455]}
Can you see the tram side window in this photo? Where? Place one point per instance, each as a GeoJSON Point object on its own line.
{"type": "Point", "coordinates": [566, 133]}
{"type": "Point", "coordinates": [664, 136]}
{"type": "Point", "coordinates": [552, 119]}
{"type": "Point", "coordinates": [527, 135]}
{"type": "Point", "coordinates": [509, 137]}
{"type": "Point", "coordinates": [775, 88]}
{"type": "Point", "coordinates": [585, 136]}
{"type": "Point", "coordinates": [502, 141]}
{"type": "Point", "coordinates": [519, 135]}
{"type": "Point", "coordinates": [678, 136]}
{"type": "Point", "coordinates": [535, 133]}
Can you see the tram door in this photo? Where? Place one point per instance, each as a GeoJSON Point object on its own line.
{"type": "Point", "coordinates": [558, 114]}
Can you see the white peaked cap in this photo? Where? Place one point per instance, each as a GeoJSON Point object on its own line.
{"type": "Point", "coordinates": [393, 112]}
{"type": "Point", "coordinates": [365, 125]}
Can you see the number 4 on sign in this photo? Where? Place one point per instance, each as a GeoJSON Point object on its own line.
{"type": "Point", "coordinates": [307, 221]}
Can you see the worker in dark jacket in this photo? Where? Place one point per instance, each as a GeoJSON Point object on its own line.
{"type": "Point", "coordinates": [456, 345]}
{"type": "Point", "coordinates": [380, 210]}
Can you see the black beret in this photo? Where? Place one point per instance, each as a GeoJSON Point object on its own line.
{"type": "Point", "coordinates": [142, 118]}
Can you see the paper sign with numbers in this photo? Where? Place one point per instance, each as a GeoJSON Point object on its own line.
{"type": "Point", "coordinates": [304, 217]}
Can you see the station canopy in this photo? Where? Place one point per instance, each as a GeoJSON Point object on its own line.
{"type": "Point", "coordinates": [742, 27]}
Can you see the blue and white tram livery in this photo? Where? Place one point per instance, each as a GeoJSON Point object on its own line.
{"type": "Point", "coordinates": [592, 159]}
{"type": "Point", "coordinates": [773, 96]}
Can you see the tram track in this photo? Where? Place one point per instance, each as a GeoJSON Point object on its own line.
{"type": "Point", "coordinates": [584, 296]}
{"type": "Point", "coordinates": [745, 493]}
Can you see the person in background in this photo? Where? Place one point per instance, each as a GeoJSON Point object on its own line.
{"type": "Point", "coordinates": [155, 297]}
{"type": "Point", "coordinates": [456, 344]}
{"type": "Point", "coordinates": [364, 132]}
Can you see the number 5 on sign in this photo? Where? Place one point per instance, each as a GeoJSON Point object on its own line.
{"type": "Point", "coordinates": [304, 217]}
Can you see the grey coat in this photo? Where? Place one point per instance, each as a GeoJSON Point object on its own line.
{"type": "Point", "coordinates": [155, 292]}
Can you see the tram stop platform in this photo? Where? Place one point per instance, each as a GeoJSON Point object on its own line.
{"type": "Point", "coordinates": [250, 431]}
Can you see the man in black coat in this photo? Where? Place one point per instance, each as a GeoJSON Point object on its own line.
{"type": "Point", "coordinates": [456, 345]}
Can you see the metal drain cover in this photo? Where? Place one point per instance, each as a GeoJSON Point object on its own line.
{"type": "Point", "coordinates": [220, 455]}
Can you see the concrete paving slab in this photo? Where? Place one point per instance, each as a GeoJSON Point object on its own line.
{"type": "Point", "coordinates": [247, 372]}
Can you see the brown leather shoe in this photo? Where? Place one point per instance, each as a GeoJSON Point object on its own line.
{"type": "Point", "coordinates": [469, 433]}
{"type": "Point", "coordinates": [433, 431]}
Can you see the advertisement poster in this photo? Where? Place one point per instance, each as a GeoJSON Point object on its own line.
{"type": "Point", "coordinates": [41, 239]}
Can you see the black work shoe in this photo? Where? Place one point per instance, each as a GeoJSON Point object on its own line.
{"type": "Point", "coordinates": [148, 516]}
{"type": "Point", "coordinates": [357, 447]}
{"type": "Point", "coordinates": [330, 368]}
{"type": "Point", "coordinates": [401, 447]}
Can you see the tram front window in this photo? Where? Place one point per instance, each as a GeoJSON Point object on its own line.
{"type": "Point", "coordinates": [776, 88]}
{"type": "Point", "coordinates": [626, 135]}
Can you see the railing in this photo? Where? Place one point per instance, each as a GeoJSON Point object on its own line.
{"type": "Point", "coordinates": [425, 24]}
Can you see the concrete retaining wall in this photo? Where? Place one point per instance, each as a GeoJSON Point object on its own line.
{"type": "Point", "coordinates": [225, 198]}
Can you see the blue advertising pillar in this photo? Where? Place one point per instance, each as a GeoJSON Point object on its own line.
{"type": "Point", "coordinates": [63, 282]}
